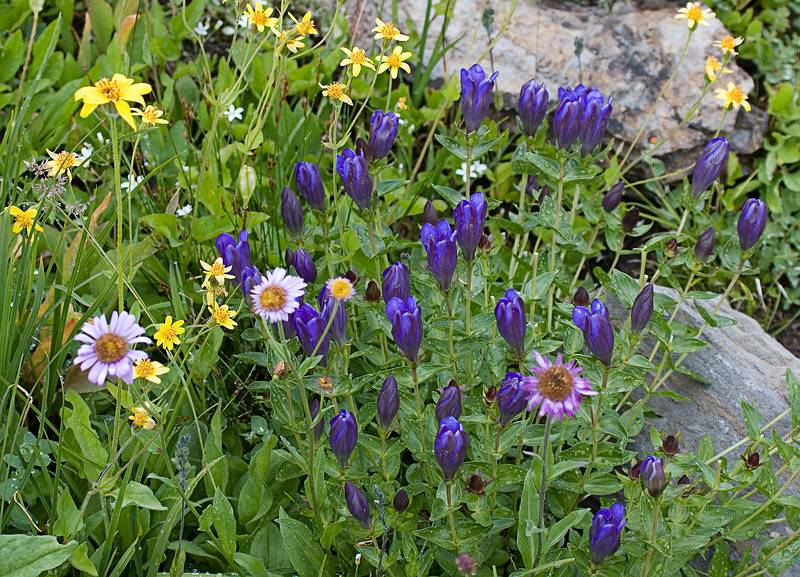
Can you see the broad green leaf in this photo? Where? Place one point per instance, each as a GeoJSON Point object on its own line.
{"type": "Point", "coordinates": [302, 548]}
{"type": "Point", "coordinates": [141, 496]}
{"type": "Point", "coordinates": [30, 556]}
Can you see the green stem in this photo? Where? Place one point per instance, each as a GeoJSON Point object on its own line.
{"type": "Point", "coordinates": [653, 533]}
{"type": "Point", "coordinates": [451, 330]}
{"type": "Point", "coordinates": [118, 190]}
{"type": "Point", "coordinates": [542, 493]}
{"type": "Point", "coordinates": [468, 171]}
{"type": "Point", "coordinates": [554, 243]}
{"type": "Point", "coordinates": [450, 517]}
{"type": "Point", "coordinates": [495, 458]}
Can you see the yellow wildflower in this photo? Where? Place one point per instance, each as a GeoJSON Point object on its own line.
{"type": "Point", "coordinates": [728, 44]}
{"type": "Point", "coordinates": [24, 220]}
{"type": "Point", "coordinates": [714, 68]}
{"type": "Point", "coordinates": [218, 270]}
{"type": "Point", "coordinates": [259, 17]}
{"type": "Point", "coordinates": [150, 115]}
{"type": "Point", "coordinates": [167, 333]}
{"type": "Point", "coordinates": [734, 96]}
{"type": "Point", "coordinates": [388, 31]}
{"type": "Point", "coordinates": [340, 288]}
{"type": "Point", "coordinates": [356, 57]}
{"type": "Point", "coordinates": [394, 61]}
{"type": "Point", "coordinates": [213, 290]}
{"type": "Point", "coordinates": [117, 90]}
{"type": "Point", "coordinates": [292, 43]}
{"type": "Point", "coordinates": [61, 162]}
{"type": "Point", "coordinates": [304, 27]}
{"type": "Point", "coordinates": [149, 370]}
{"type": "Point", "coordinates": [223, 316]}
{"type": "Point", "coordinates": [695, 14]}
{"type": "Point", "coordinates": [336, 91]}
{"type": "Point", "coordinates": [141, 419]}
{"type": "Point", "coordinates": [401, 103]}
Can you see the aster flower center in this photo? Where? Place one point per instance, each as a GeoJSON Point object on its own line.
{"type": "Point", "coordinates": [695, 13]}
{"type": "Point", "coordinates": [140, 418]}
{"type": "Point", "coordinates": [110, 348]}
{"type": "Point", "coordinates": [109, 88]}
{"type": "Point", "coordinates": [273, 298]}
{"type": "Point", "coordinates": [389, 30]}
{"type": "Point", "coordinates": [341, 289]}
{"type": "Point", "coordinates": [217, 269]}
{"type": "Point", "coordinates": [221, 315]}
{"type": "Point", "coordinates": [144, 369]}
{"type": "Point", "coordinates": [555, 383]}
{"type": "Point", "coordinates": [736, 94]}
{"type": "Point", "coordinates": [358, 56]}
{"type": "Point", "coordinates": [394, 60]}
{"type": "Point", "coordinates": [64, 160]}
{"type": "Point", "coordinates": [335, 90]}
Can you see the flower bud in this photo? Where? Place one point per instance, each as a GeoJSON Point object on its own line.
{"type": "Point", "coordinates": [401, 501]}
{"type": "Point", "coordinates": [597, 330]}
{"type": "Point", "coordinates": [581, 297]}
{"type": "Point", "coordinates": [353, 169]}
{"type": "Point", "coordinates": [613, 197]}
{"type": "Point", "coordinates": [531, 185]}
{"type": "Point", "coordinates": [752, 460]}
{"type": "Point", "coordinates": [670, 445]}
{"type": "Point", "coordinates": [511, 322]}
{"type": "Point", "coordinates": [373, 293]}
{"type": "Point", "coordinates": [310, 327]}
{"type": "Point", "coordinates": [470, 218]}
{"type": "Point", "coordinates": [343, 436]}
{"type": "Point", "coordinates": [450, 447]}
{"type": "Point", "coordinates": [490, 395]}
{"type": "Point", "coordinates": [476, 95]}
{"type": "Point", "coordinates": [605, 532]}
{"type": "Point", "coordinates": [671, 248]}
{"type": "Point", "coordinates": [532, 109]}
{"type": "Point", "coordinates": [466, 565]}
{"type": "Point", "coordinates": [303, 264]}
{"type": "Point", "coordinates": [406, 319]}
{"type": "Point", "coordinates": [512, 397]}
{"type": "Point", "coordinates": [630, 219]}
{"type": "Point", "coordinates": [704, 246]}
{"type": "Point", "coordinates": [476, 484]}
{"type": "Point", "coordinates": [710, 165]}
{"type": "Point", "coordinates": [449, 404]}
{"type": "Point", "coordinates": [388, 402]}
{"type": "Point", "coordinates": [246, 183]}
{"type": "Point", "coordinates": [396, 282]}
{"type": "Point", "coordinates": [308, 179]}
{"type": "Point", "coordinates": [653, 477]}
{"type": "Point", "coordinates": [565, 122]}
{"type": "Point", "coordinates": [291, 212]}
{"type": "Point", "coordinates": [319, 427]}
{"type": "Point", "coordinates": [752, 221]}
{"type": "Point", "coordinates": [357, 504]}
{"type": "Point", "coordinates": [429, 215]}
{"type": "Point", "coordinates": [440, 247]}
{"type": "Point", "coordinates": [642, 309]}
{"type": "Point", "coordinates": [382, 132]}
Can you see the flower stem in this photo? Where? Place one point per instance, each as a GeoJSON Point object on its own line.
{"type": "Point", "coordinates": [468, 170]}
{"type": "Point", "coordinates": [450, 517]}
{"type": "Point", "coordinates": [495, 458]}
{"type": "Point", "coordinates": [653, 533]}
{"type": "Point", "coordinates": [118, 190]}
{"type": "Point", "coordinates": [448, 295]}
{"type": "Point", "coordinates": [554, 243]}
{"type": "Point", "coordinates": [468, 315]}
{"type": "Point", "coordinates": [542, 493]}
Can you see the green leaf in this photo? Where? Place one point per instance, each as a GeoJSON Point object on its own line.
{"type": "Point", "coordinates": [80, 560]}
{"type": "Point", "coordinates": [557, 531]}
{"type": "Point", "coordinates": [302, 548]}
{"type": "Point", "coordinates": [102, 21]}
{"type": "Point", "coordinates": [82, 438]}
{"type": "Point", "coordinates": [210, 227]}
{"type": "Point", "coordinates": [528, 515]}
{"type": "Point", "coordinates": [523, 162]}
{"type": "Point", "coordinates": [752, 420]}
{"type": "Point", "coordinates": [11, 56]}
{"type": "Point", "coordinates": [164, 224]}
{"type": "Point", "coordinates": [455, 147]}
{"type": "Point", "coordinates": [141, 496]}
{"type": "Point", "coordinates": [30, 556]}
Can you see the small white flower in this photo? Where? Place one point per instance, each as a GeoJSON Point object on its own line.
{"type": "Point", "coordinates": [476, 170]}
{"type": "Point", "coordinates": [202, 28]}
{"type": "Point", "coordinates": [131, 182]}
{"type": "Point", "coordinates": [233, 113]}
{"type": "Point", "coordinates": [228, 30]}
{"type": "Point", "coordinates": [184, 210]}
{"type": "Point", "coordinates": [85, 153]}
{"type": "Point", "coordinates": [244, 21]}
{"type": "Point", "coordinates": [100, 138]}
{"type": "Point", "coordinates": [401, 121]}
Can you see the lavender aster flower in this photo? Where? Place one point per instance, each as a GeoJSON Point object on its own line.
{"type": "Point", "coordinates": [450, 447]}
{"type": "Point", "coordinates": [107, 349]}
{"type": "Point", "coordinates": [476, 95]}
{"type": "Point", "coordinates": [605, 533]}
{"type": "Point", "coordinates": [343, 436]}
{"type": "Point", "coordinates": [449, 404]}
{"type": "Point", "coordinates": [382, 132]}
{"type": "Point", "coordinates": [752, 221]}
{"type": "Point", "coordinates": [357, 504]}
{"type": "Point", "coordinates": [308, 179]}
{"type": "Point", "coordinates": [440, 246]}
{"type": "Point", "coordinates": [557, 388]}
{"type": "Point", "coordinates": [532, 109]}
{"type": "Point", "coordinates": [406, 319]}
{"type": "Point", "coordinates": [470, 218]}
{"type": "Point", "coordinates": [353, 169]}
{"type": "Point", "coordinates": [710, 165]}
{"type": "Point", "coordinates": [512, 397]}
{"type": "Point", "coordinates": [510, 315]}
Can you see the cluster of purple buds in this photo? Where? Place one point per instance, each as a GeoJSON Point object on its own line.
{"type": "Point", "coordinates": [704, 245]}
{"type": "Point", "coordinates": [652, 474]}
{"type": "Point", "coordinates": [511, 322]}
{"type": "Point", "coordinates": [406, 319]}
{"type": "Point", "coordinates": [382, 132]}
{"type": "Point", "coordinates": [533, 98]}
{"type": "Point", "coordinates": [388, 402]}
{"type": "Point", "coordinates": [291, 212]}
{"type": "Point", "coordinates": [597, 330]}
{"type": "Point", "coordinates": [470, 218]}
{"type": "Point", "coordinates": [710, 165]}
{"type": "Point", "coordinates": [302, 263]}
{"type": "Point", "coordinates": [236, 254]}
{"type": "Point", "coordinates": [642, 309]}
{"type": "Point", "coordinates": [308, 179]}
{"type": "Point", "coordinates": [512, 397]}
{"type": "Point", "coordinates": [613, 197]}
{"type": "Point", "coordinates": [604, 535]}
{"type": "Point", "coordinates": [310, 327]}
{"type": "Point", "coordinates": [752, 221]}
{"type": "Point", "coordinates": [450, 447]}
{"type": "Point", "coordinates": [440, 246]}
{"type": "Point", "coordinates": [581, 116]}
{"type": "Point", "coordinates": [396, 282]}
{"type": "Point", "coordinates": [327, 304]}
{"type": "Point", "coordinates": [353, 169]}
{"type": "Point", "coordinates": [357, 504]}
{"type": "Point", "coordinates": [343, 436]}
{"type": "Point", "coordinates": [476, 95]}
{"type": "Point", "coordinates": [449, 404]}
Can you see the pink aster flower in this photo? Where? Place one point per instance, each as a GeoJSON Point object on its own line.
{"type": "Point", "coordinates": [277, 295]}
{"type": "Point", "coordinates": [108, 347]}
{"type": "Point", "coordinates": [557, 388]}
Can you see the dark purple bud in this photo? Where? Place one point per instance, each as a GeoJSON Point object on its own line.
{"type": "Point", "coordinates": [382, 132]}
{"type": "Point", "coordinates": [396, 282]}
{"type": "Point", "coordinates": [343, 436]}
{"type": "Point", "coordinates": [353, 169]}
{"type": "Point", "coordinates": [531, 185]}
{"type": "Point", "coordinates": [319, 427]}
{"type": "Point", "coordinates": [429, 215]}
{"type": "Point", "coordinates": [710, 165]}
{"type": "Point", "coordinates": [684, 480]}
{"type": "Point", "coordinates": [476, 484]}
{"type": "Point", "coordinates": [440, 246]}
{"type": "Point", "coordinates": [357, 504]}
{"type": "Point", "coordinates": [597, 330]}
{"type": "Point", "coordinates": [613, 197]}
{"type": "Point", "coordinates": [401, 501]}
{"type": "Point", "coordinates": [704, 246]}
{"type": "Point", "coordinates": [476, 95]}
{"type": "Point", "coordinates": [532, 109]}
{"type": "Point", "coordinates": [670, 445]}
{"type": "Point", "coordinates": [595, 112]}
{"type": "Point", "coordinates": [605, 532]}
{"type": "Point", "coordinates": [671, 248]}
{"type": "Point", "coordinates": [309, 182]}
{"type": "Point", "coordinates": [490, 396]}
{"type": "Point", "coordinates": [653, 477]}
{"type": "Point", "coordinates": [642, 309]}
{"type": "Point", "coordinates": [470, 218]}
{"type": "Point", "coordinates": [544, 193]}
{"type": "Point", "coordinates": [566, 120]}
{"type": "Point", "coordinates": [291, 212]}
{"type": "Point", "coordinates": [581, 297]}
{"type": "Point", "coordinates": [303, 264]}
{"type": "Point", "coordinates": [406, 319]}
{"type": "Point", "coordinates": [630, 219]}
{"type": "Point", "coordinates": [449, 404]}
{"type": "Point", "coordinates": [512, 397]}
{"type": "Point", "coordinates": [752, 460]}
{"type": "Point", "coordinates": [388, 402]}
{"type": "Point", "coordinates": [310, 327]}
{"type": "Point", "coordinates": [373, 293]}
{"type": "Point", "coordinates": [250, 278]}
{"type": "Point", "coordinates": [752, 221]}
{"type": "Point", "coordinates": [511, 323]}
{"type": "Point", "coordinates": [450, 447]}
{"type": "Point", "coordinates": [235, 254]}
{"type": "Point", "coordinates": [466, 565]}
{"type": "Point", "coordinates": [485, 243]}
{"type": "Point", "coordinates": [636, 470]}
{"type": "Point", "coordinates": [338, 330]}
{"type": "Point", "coordinates": [362, 148]}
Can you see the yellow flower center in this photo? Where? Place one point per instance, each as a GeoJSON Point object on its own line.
{"type": "Point", "coordinates": [341, 288]}
{"type": "Point", "coordinates": [25, 219]}
{"type": "Point", "coordinates": [555, 383]}
{"type": "Point", "coordinates": [358, 56]}
{"type": "Point", "coordinates": [305, 27]}
{"type": "Point", "coordinates": [394, 60]}
{"type": "Point", "coordinates": [335, 90]}
{"type": "Point", "coordinates": [217, 268]}
{"type": "Point", "coordinates": [144, 369]}
{"type": "Point", "coordinates": [273, 298]}
{"type": "Point", "coordinates": [109, 88]}
{"type": "Point", "coordinates": [151, 114]}
{"type": "Point", "coordinates": [736, 95]}
{"type": "Point", "coordinates": [695, 13]}
{"type": "Point", "coordinates": [325, 384]}
{"type": "Point", "coordinates": [140, 417]}
{"type": "Point", "coordinates": [221, 315]}
{"type": "Point", "coordinates": [389, 30]}
{"type": "Point", "coordinates": [110, 348]}
{"type": "Point", "coordinates": [728, 43]}
{"type": "Point", "coordinates": [65, 160]}
{"type": "Point", "coordinates": [260, 18]}
{"type": "Point", "coordinates": [713, 63]}
{"type": "Point", "coordinates": [168, 333]}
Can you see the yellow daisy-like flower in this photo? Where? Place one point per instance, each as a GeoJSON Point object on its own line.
{"type": "Point", "coordinates": [64, 161]}
{"type": "Point", "coordinates": [118, 91]}
{"type": "Point", "coordinates": [714, 68]}
{"type": "Point", "coordinates": [24, 220]}
{"type": "Point", "coordinates": [305, 26]}
{"type": "Point", "coordinates": [149, 370]}
{"type": "Point", "coordinates": [734, 96]}
{"type": "Point", "coordinates": [728, 44]}
{"type": "Point", "coordinates": [394, 61]}
{"type": "Point", "coordinates": [223, 316]}
{"type": "Point", "coordinates": [292, 43]}
{"type": "Point", "coordinates": [218, 270]}
{"type": "Point", "coordinates": [695, 14]}
{"type": "Point", "coordinates": [259, 17]}
{"type": "Point", "coordinates": [336, 91]}
{"type": "Point", "coordinates": [401, 103]}
{"type": "Point", "coordinates": [167, 333]}
{"type": "Point", "coordinates": [213, 290]}
{"type": "Point", "coordinates": [388, 31]}
{"type": "Point", "coordinates": [141, 419]}
{"type": "Point", "coordinates": [356, 57]}
{"type": "Point", "coordinates": [150, 115]}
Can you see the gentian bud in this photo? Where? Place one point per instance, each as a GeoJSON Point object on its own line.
{"type": "Point", "coordinates": [544, 193]}
{"type": "Point", "coordinates": [512, 397]}
{"type": "Point", "coordinates": [429, 215]}
{"type": "Point", "coordinates": [357, 504]}
{"type": "Point", "coordinates": [476, 95]}
{"type": "Point", "coordinates": [466, 565]}
{"type": "Point", "coordinates": [565, 120]}
{"type": "Point", "coordinates": [630, 219]}
{"type": "Point", "coordinates": [671, 248]}
{"type": "Point", "coordinates": [653, 477]}
{"type": "Point", "coordinates": [327, 303]}
{"type": "Point", "coordinates": [704, 245]}
{"type": "Point", "coordinates": [310, 326]}
{"type": "Point", "coordinates": [642, 309]}
{"type": "Point", "coordinates": [710, 164]}
{"type": "Point", "coordinates": [581, 297]}
{"type": "Point", "coordinates": [406, 319]}
{"type": "Point", "coordinates": [511, 323]}
{"type": "Point", "coordinates": [246, 183]}
{"type": "Point", "coordinates": [597, 330]}
{"type": "Point", "coordinates": [373, 293]}
{"type": "Point", "coordinates": [250, 278]}
{"type": "Point", "coordinates": [401, 501]}
{"type": "Point", "coordinates": [303, 264]}
{"type": "Point", "coordinates": [353, 169]}
{"type": "Point", "coordinates": [343, 436]}
{"type": "Point", "coordinates": [449, 404]}
{"type": "Point", "coordinates": [752, 221]}
{"type": "Point", "coordinates": [382, 132]}
{"type": "Point", "coordinates": [450, 447]}
{"type": "Point", "coordinates": [605, 532]}
{"type": "Point", "coordinates": [235, 254]}
{"type": "Point", "coordinates": [440, 246]}
{"type": "Point", "coordinates": [319, 427]}
{"type": "Point", "coordinates": [613, 197]}
{"type": "Point", "coordinates": [396, 282]}
{"type": "Point", "coordinates": [476, 484]}
{"type": "Point", "coordinates": [470, 218]}
{"type": "Point", "coordinates": [670, 445]}
{"type": "Point", "coordinates": [531, 185]}
{"type": "Point", "coordinates": [485, 243]}
{"type": "Point", "coordinates": [490, 395]}
{"type": "Point", "coordinates": [388, 402]}
{"type": "Point", "coordinates": [532, 109]}
{"type": "Point", "coordinates": [309, 182]}
{"type": "Point", "coordinates": [291, 212]}
{"type": "Point", "coordinates": [595, 113]}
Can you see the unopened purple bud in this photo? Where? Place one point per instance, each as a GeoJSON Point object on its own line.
{"type": "Point", "coordinates": [353, 169]}
{"type": "Point", "coordinates": [752, 221]}
{"type": "Point", "coordinates": [357, 504]}
{"type": "Point", "coordinates": [470, 218]}
{"type": "Point", "coordinates": [308, 179]}
{"type": "Point", "coordinates": [303, 264]}
{"type": "Point", "coordinates": [630, 219]}
{"type": "Point", "coordinates": [388, 402]}
{"type": "Point", "coordinates": [565, 122]}
{"type": "Point", "coordinates": [382, 132]}
{"type": "Point", "coordinates": [652, 475]}
{"type": "Point", "coordinates": [512, 397]}
{"type": "Point", "coordinates": [310, 326]}
{"type": "Point", "coordinates": [642, 309]}
{"type": "Point", "coordinates": [396, 282]}
{"type": "Point", "coordinates": [704, 245]}
{"type": "Point", "coordinates": [406, 319]}
{"type": "Point", "coordinates": [710, 165]}
{"type": "Point", "coordinates": [476, 95]}
{"type": "Point", "coordinates": [327, 304]}
{"type": "Point", "coordinates": [511, 322]}
{"type": "Point", "coordinates": [235, 253]}
{"type": "Point", "coordinates": [429, 215]}
{"type": "Point", "coordinates": [250, 278]}
{"type": "Point", "coordinates": [343, 436]}
{"type": "Point", "coordinates": [450, 447]}
{"type": "Point", "coordinates": [401, 501]}
{"type": "Point", "coordinates": [440, 246]}
{"type": "Point", "coordinates": [597, 330]}
{"type": "Point", "coordinates": [531, 185]}
{"type": "Point", "coordinates": [604, 535]}
{"type": "Point", "coordinates": [319, 427]}
{"type": "Point", "coordinates": [581, 297]}
{"type": "Point", "coordinates": [449, 404]}
{"type": "Point", "coordinates": [613, 197]}
{"type": "Point", "coordinates": [532, 109]}
{"type": "Point", "coordinates": [291, 212]}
